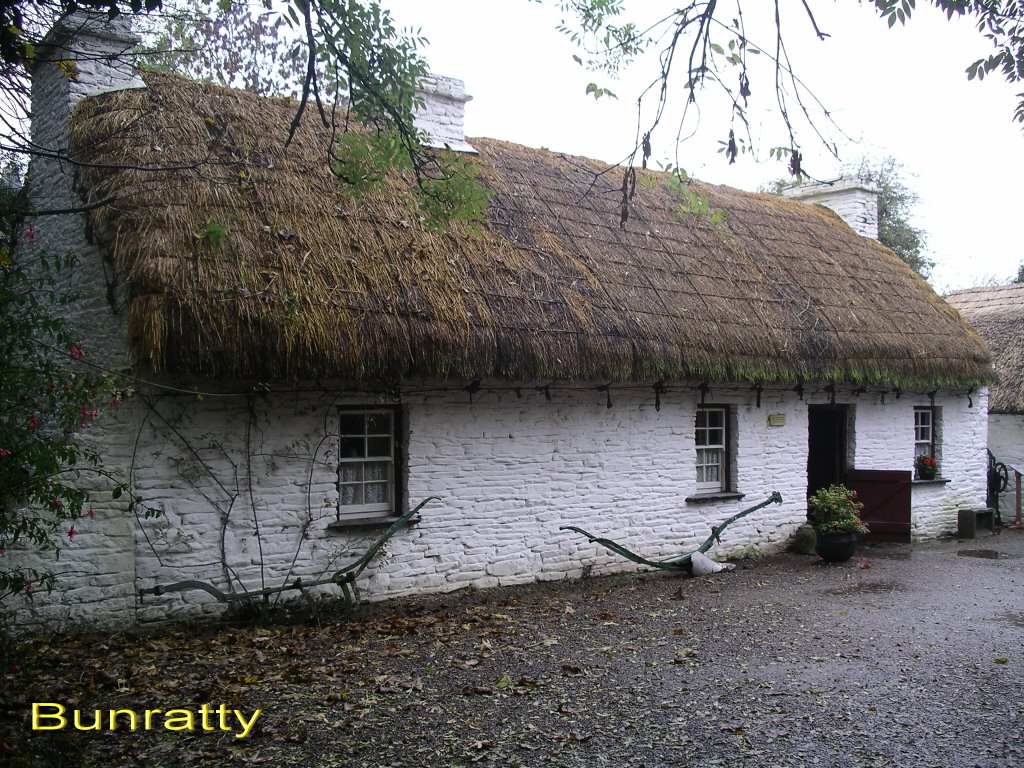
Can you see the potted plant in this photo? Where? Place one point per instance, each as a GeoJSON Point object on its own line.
{"type": "Point", "coordinates": [927, 467]}
{"type": "Point", "coordinates": [834, 512]}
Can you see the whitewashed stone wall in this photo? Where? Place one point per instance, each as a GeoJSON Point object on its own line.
{"type": "Point", "coordinates": [97, 568]}
{"type": "Point", "coordinates": [509, 473]}
{"type": "Point", "coordinates": [855, 202]}
{"type": "Point", "coordinates": [885, 440]}
{"type": "Point", "coordinates": [247, 487]}
{"type": "Point", "coordinates": [1006, 441]}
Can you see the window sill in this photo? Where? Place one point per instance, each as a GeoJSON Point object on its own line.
{"type": "Point", "coordinates": [707, 498]}
{"type": "Point", "coordinates": [365, 523]}
{"type": "Point", "coordinates": [933, 481]}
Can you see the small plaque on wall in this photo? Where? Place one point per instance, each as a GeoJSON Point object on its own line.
{"type": "Point", "coordinates": [776, 420]}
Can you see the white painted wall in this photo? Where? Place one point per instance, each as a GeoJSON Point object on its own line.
{"type": "Point", "coordinates": [510, 471]}
{"type": "Point", "coordinates": [1006, 441]}
{"type": "Point", "coordinates": [97, 567]}
{"type": "Point", "coordinates": [885, 440]}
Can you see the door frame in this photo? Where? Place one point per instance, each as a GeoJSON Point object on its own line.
{"type": "Point", "coordinates": [828, 445]}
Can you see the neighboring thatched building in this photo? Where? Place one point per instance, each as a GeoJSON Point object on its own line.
{"type": "Point", "coordinates": [546, 368]}
{"type": "Point", "coordinates": [998, 314]}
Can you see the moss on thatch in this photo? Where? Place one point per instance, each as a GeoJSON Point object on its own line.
{"type": "Point", "coordinates": [246, 258]}
{"type": "Point", "coordinates": [998, 314]}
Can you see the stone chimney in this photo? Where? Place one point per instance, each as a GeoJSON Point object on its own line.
{"type": "Point", "coordinates": [442, 113]}
{"type": "Point", "coordinates": [93, 52]}
{"type": "Point", "coordinates": [854, 200]}
{"type": "Point", "coordinates": [85, 53]}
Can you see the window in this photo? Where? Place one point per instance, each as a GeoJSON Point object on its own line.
{"type": "Point", "coordinates": [924, 432]}
{"type": "Point", "coordinates": [712, 443]}
{"type": "Point", "coordinates": [366, 464]}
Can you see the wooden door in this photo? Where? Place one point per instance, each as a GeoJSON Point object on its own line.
{"type": "Point", "coordinates": [886, 498]}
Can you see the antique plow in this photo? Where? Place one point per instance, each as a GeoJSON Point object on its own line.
{"type": "Point", "coordinates": [682, 562]}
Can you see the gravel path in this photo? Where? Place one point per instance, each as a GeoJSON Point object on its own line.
{"type": "Point", "coordinates": [908, 656]}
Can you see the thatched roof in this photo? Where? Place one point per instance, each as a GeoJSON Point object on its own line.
{"type": "Point", "coordinates": [245, 258]}
{"type": "Point", "coordinates": [998, 314]}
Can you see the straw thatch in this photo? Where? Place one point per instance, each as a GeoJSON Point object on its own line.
{"type": "Point", "coordinates": [998, 314]}
{"type": "Point", "coordinates": [245, 258]}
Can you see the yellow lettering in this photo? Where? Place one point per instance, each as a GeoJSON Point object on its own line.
{"type": "Point", "coordinates": [173, 715]}
{"type": "Point", "coordinates": [113, 718]}
{"type": "Point", "coordinates": [37, 715]}
{"type": "Point", "coordinates": [97, 723]}
{"type": "Point", "coordinates": [205, 711]}
{"type": "Point", "coordinates": [247, 724]}
{"type": "Point", "coordinates": [149, 717]}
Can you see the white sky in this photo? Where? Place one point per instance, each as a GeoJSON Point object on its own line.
{"type": "Point", "coordinates": [901, 92]}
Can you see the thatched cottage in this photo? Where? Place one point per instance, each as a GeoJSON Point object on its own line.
{"type": "Point", "coordinates": [997, 312]}
{"type": "Point", "coordinates": [307, 365]}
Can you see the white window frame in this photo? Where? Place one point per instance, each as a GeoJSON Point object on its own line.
{"type": "Point", "coordinates": [706, 445]}
{"type": "Point", "coordinates": [370, 446]}
{"type": "Point", "coordinates": [924, 431]}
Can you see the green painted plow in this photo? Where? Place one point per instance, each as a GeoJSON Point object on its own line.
{"type": "Point", "coordinates": [682, 562]}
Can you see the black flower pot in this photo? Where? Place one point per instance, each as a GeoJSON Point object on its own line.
{"type": "Point", "coordinates": [836, 547]}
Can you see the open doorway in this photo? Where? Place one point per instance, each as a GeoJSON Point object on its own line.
{"type": "Point", "coordinates": [827, 445]}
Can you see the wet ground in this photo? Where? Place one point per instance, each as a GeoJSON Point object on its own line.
{"type": "Point", "coordinates": [904, 656]}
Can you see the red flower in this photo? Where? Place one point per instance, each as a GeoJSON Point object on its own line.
{"type": "Point", "coordinates": [72, 532]}
{"type": "Point", "coordinates": [76, 352]}
{"type": "Point", "coordinates": [5, 451]}
{"type": "Point", "coordinates": [90, 513]}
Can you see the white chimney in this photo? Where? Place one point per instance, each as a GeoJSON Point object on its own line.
{"type": "Point", "coordinates": [854, 200]}
{"type": "Point", "coordinates": [444, 105]}
{"type": "Point", "coordinates": [85, 53]}
{"type": "Point", "coordinates": [93, 52]}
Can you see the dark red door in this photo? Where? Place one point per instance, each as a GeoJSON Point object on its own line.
{"type": "Point", "coordinates": [886, 498]}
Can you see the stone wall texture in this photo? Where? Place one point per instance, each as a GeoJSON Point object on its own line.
{"type": "Point", "coordinates": [246, 487]}
{"type": "Point", "coordinates": [442, 113]}
{"type": "Point", "coordinates": [854, 202]}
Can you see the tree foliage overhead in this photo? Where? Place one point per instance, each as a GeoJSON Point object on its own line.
{"type": "Point", "coordinates": [227, 43]}
{"type": "Point", "coordinates": [704, 48]}
{"type": "Point", "coordinates": [896, 202]}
